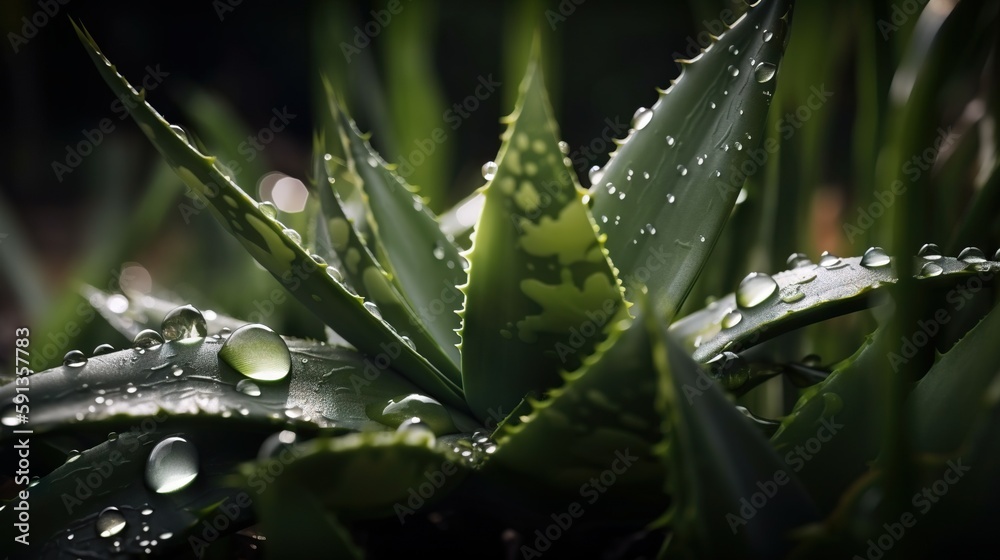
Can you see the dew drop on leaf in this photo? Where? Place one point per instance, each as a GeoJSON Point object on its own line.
{"type": "Point", "coordinates": [764, 72]}
{"type": "Point", "coordinates": [731, 319]}
{"type": "Point", "coordinates": [791, 293]}
{"type": "Point", "coordinates": [733, 71]}
{"type": "Point", "coordinates": [373, 309]}
{"type": "Point", "coordinates": [733, 50]}
{"type": "Point", "coordinates": [671, 199]}
{"type": "Point", "coordinates": [172, 465]}
{"type": "Point", "coordinates": [930, 269]}
{"type": "Point", "coordinates": [103, 349]}
{"type": "Point", "coordinates": [595, 174]}
{"type": "Point", "coordinates": [275, 444]}
{"type": "Point", "coordinates": [257, 352]}
{"type": "Point", "coordinates": [110, 522]}
{"type": "Point", "coordinates": [335, 274]}
{"type": "Point", "coordinates": [768, 36]}
{"type": "Point", "coordinates": [755, 289]}
{"type": "Point", "coordinates": [74, 359]}
{"type": "Point", "coordinates": [320, 261]}
{"type": "Point", "coordinates": [184, 322]}
{"type": "Point", "coordinates": [293, 235]}
{"type": "Point", "coordinates": [972, 255]}
{"type": "Point", "coordinates": [671, 141]}
{"type": "Point", "coordinates": [248, 387]}
{"type": "Point", "coordinates": [930, 252]}
{"type": "Point", "coordinates": [268, 209]}
{"type": "Point", "coordinates": [490, 170]}
{"type": "Point", "coordinates": [438, 251]}
{"type": "Point", "coordinates": [641, 118]}
{"type": "Point", "coordinates": [682, 170]}
{"type": "Point", "coordinates": [831, 261]}
{"type": "Point", "coordinates": [147, 339]}
{"type": "Point", "coordinates": [874, 257]}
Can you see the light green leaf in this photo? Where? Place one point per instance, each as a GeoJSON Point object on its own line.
{"type": "Point", "coordinates": [541, 289]}
{"type": "Point", "coordinates": [668, 189]}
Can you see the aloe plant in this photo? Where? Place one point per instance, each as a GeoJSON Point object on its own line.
{"type": "Point", "coordinates": [536, 374]}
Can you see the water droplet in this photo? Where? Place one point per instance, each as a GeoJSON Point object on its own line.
{"type": "Point", "coordinates": [733, 71]}
{"type": "Point", "coordinates": [489, 170]}
{"type": "Point", "coordinates": [564, 147]}
{"type": "Point", "coordinates": [409, 342]}
{"type": "Point", "coordinates": [875, 257]}
{"type": "Point", "coordinates": [930, 252]}
{"type": "Point", "coordinates": [711, 105]}
{"type": "Point", "coordinates": [700, 160]}
{"type": "Point", "coordinates": [74, 359]}
{"type": "Point", "coordinates": [641, 118]}
{"type": "Point", "coordinates": [147, 339]}
{"type": "Point", "coordinates": [764, 72]}
{"type": "Point", "coordinates": [268, 209]}
{"type": "Point", "coordinates": [798, 260]}
{"type": "Point", "coordinates": [733, 50]}
{"type": "Point", "coordinates": [768, 36]}
{"type": "Point", "coordinates": [103, 349]}
{"type": "Point", "coordinates": [729, 370]}
{"type": "Point", "coordinates": [671, 141]}
{"type": "Point", "coordinates": [828, 260]}
{"type": "Point", "coordinates": [276, 443]}
{"type": "Point", "coordinates": [930, 269]}
{"type": "Point", "coordinates": [682, 170]}
{"type": "Point", "coordinates": [373, 309]}
{"type": "Point", "coordinates": [791, 294]}
{"type": "Point", "coordinates": [112, 436]}
{"type": "Point", "coordinates": [738, 146]}
{"type": "Point", "coordinates": [184, 322]}
{"type": "Point", "coordinates": [755, 289]}
{"type": "Point", "coordinates": [595, 174]}
{"type": "Point", "coordinates": [414, 423]}
{"type": "Point", "coordinates": [731, 319]}
{"type": "Point", "coordinates": [293, 412]}
{"type": "Point", "coordinates": [428, 410]}
{"type": "Point", "coordinates": [248, 387]}
{"type": "Point", "coordinates": [257, 352]}
{"type": "Point", "coordinates": [438, 251]}
{"type": "Point", "coordinates": [972, 255]}
{"type": "Point", "coordinates": [110, 522]}
{"type": "Point", "coordinates": [320, 261]}
{"type": "Point", "coordinates": [671, 198]}
{"type": "Point", "coordinates": [701, 238]}
{"type": "Point", "coordinates": [172, 465]}
{"type": "Point", "coordinates": [293, 235]}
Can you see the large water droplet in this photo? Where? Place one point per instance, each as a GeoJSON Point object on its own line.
{"type": "Point", "coordinates": [768, 36]}
{"type": "Point", "coordinates": [930, 269]}
{"type": "Point", "coordinates": [172, 465]}
{"type": "Point", "coordinates": [731, 319]}
{"type": "Point", "coordinates": [755, 289]}
{"type": "Point", "coordinates": [293, 235]}
{"type": "Point", "coordinates": [248, 387]}
{"type": "Point", "coordinates": [798, 260]}
{"type": "Point", "coordinates": [320, 261]}
{"type": "Point", "coordinates": [729, 370]}
{"type": "Point", "coordinates": [972, 255]}
{"type": "Point", "coordinates": [103, 349]}
{"type": "Point", "coordinates": [403, 408]}
{"type": "Point", "coordinates": [764, 72]}
{"type": "Point", "coordinates": [875, 257]}
{"type": "Point", "coordinates": [733, 71]}
{"type": "Point", "coordinates": [733, 50]}
{"type": "Point", "coordinates": [489, 170]}
{"type": "Point", "coordinates": [335, 274]}
{"type": "Point", "coordinates": [268, 209]}
{"type": "Point", "coordinates": [831, 261]}
{"type": "Point", "coordinates": [257, 352]}
{"type": "Point", "coordinates": [74, 359]}
{"type": "Point", "coordinates": [147, 339]}
{"type": "Point", "coordinates": [184, 322]}
{"type": "Point", "coordinates": [373, 309]}
{"type": "Point", "coordinates": [595, 174]}
{"type": "Point", "coordinates": [791, 293]}
{"type": "Point", "coordinates": [564, 148]}
{"type": "Point", "coordinates": [110, 522]}
{"type": "Point", "coordinates": [682, 170]}
{"type": "Point", "coordinates": [641, 118]}
{"type": "Point", "coordinates": [930, 252]}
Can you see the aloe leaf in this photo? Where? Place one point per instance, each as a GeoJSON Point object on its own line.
{"type": "Point", "coordinates": [267, 241]}
{"type": "Point", "coordinates": [421, 261]}
{"type": "Point", "coordinates": [184, 378]}
{"type": "Point", "coordinates": [366, 475]}
{"type": "Point", "coordinates": [668, 189]}
{"type": "Point", "coordinates": [297, 526]}
{"type": "Point", "coordinates": [946, 402]}
{"type": "Point", "coordinates": [836, 427]}
{"type": "Point", "coordinates": [340, 239]}
{"type": "Point", "coordinates": [717, 464]}
{"type": "Point", "coordinates": [541, 289]}
{"type": "Point", "coordinates": [604, 411]}
{"type": "Point", "coordinates": [111, 475]}
{"type": "Point", "coordinates": [805, 295]}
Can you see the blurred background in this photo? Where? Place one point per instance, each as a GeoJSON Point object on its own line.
{"type": "Point", "coordinates": [85, 198]}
